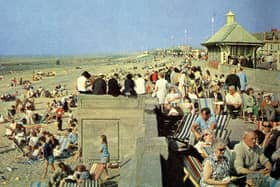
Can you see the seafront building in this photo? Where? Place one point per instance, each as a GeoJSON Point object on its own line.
{"type": "Point", "coordinates": [231, 41]}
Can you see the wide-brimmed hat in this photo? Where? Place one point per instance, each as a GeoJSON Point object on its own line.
{"type": "Point", "coordinates": [267, 94]}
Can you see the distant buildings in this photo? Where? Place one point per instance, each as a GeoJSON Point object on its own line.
{"type": "Point", "coordinates": [271, 42]}
{"type": "Point", "coordinates": [232, 41]}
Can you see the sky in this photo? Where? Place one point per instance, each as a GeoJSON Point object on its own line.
{"type": "Point", "coordinates": [84, 27]}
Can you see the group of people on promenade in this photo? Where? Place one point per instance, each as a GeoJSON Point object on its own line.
{"type": "Point", "coordinates": [254, 161]}
{"type": "Point", "coordinates": [178, 89]}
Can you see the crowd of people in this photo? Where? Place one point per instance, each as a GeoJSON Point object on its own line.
{"type": "Point", "coordinates": [254, 161]}
{"type": "Point", "coordinates": [27, 133]}
{"type": "Point", "coordinates": [178, 89]}
{"type": "Point", "coordinates": [65, 173]}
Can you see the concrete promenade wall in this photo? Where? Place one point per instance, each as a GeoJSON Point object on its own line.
{"type": "Point", "coordinates": [119, 118]}
{"type": "Point", "coordinates": [145, 167]}
{"type": "Point", "coordinates": [131, 127]}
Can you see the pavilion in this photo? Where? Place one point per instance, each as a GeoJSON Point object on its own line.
{"type": "Point", "coordinates": [232, 40]}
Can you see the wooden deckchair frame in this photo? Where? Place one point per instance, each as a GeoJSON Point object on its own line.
{"type": "Point", "coordinates": [188, 173]}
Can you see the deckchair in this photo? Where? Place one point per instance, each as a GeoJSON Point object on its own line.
{"type": "Point", "coordinates": [222, 125]}
{"type": "Point", "coordinates": [184, 129]}
{"type": "Point", "coordinates": [207, 102]}
{"type": "Point", "coordinates": [39, 184]}
{"type": "Point", "coordinates": [85, 183]}
{"type": "Point", "coordinates": [192, 169]}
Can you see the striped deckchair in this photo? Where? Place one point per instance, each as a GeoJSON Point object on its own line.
{"type": "Point", "coordinates": [184, 130]}
{"type": "Point", "coordinates": [207, 102]}
{"type": "Point", "coordinates": [192, 169]}
{"type": "Point", "coordinates": [222, 125]}
{"type": "Point", "coordinates": [39, 184]}
{"type": "Point", "coordinates": [85, 183]}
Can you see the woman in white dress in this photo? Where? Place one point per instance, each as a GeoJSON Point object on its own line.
{"type": "Point", "coordinates": [182, 84]}
{"type": "Point", "coordinates": [161, 88]}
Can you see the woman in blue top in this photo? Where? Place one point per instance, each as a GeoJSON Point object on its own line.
{"type": "Point", "coordinates": [105, 155]}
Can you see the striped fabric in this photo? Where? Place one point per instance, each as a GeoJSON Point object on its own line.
{"type": "Point", "coordinates": [207, 102]}
{"type": "Point", "coordinates": [39, 184]}
{"type": "Point", "coordinates": [86, 183]}
{"type": "Point", "coordinates": [184, 131]}
{"type": "Point", "coordinates": [194, 168]}
{"type": "Point", "coordinates": [222, 125]}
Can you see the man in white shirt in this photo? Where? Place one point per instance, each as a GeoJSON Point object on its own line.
{"type": "Point", "coordinates": [140, 85]}
{"type": "Point", "coordinates": [233, 101]}
{"type": "Point", "coordinates": [82, 82]}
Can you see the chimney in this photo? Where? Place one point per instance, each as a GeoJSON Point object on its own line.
{"type": "Point", "coordinates": [230, 18]}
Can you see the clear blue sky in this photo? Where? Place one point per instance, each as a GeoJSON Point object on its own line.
{"type": "Point", "coordinates": [76, 27]}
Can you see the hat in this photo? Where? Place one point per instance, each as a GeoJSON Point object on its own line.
{"type": "Point", "coordinates": [267, 94]}
{"type": "Point", "coordinates": [100, 74]}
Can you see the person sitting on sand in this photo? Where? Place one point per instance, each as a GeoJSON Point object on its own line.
{"type": "Point", "coordinates": [80, 174]}
{"type": "Point", "coordinates": [63, 171]}
{"type": "Point", "coordinates": [73, 137]}
{"type": "Point", "coordinates": [10, 130]}
{"type": "Point", "coordinates": [12, 112]}
{"type": "Point", "coordinates": [19, 134]}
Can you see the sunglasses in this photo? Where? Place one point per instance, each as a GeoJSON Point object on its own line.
{"type": "Point", "coordinates": [222, 149]}
{"type": "Point", "coordinates": [268, 126]}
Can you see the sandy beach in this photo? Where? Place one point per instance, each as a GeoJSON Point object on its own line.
{"type": "Point", "coordinates": [14, 168]}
